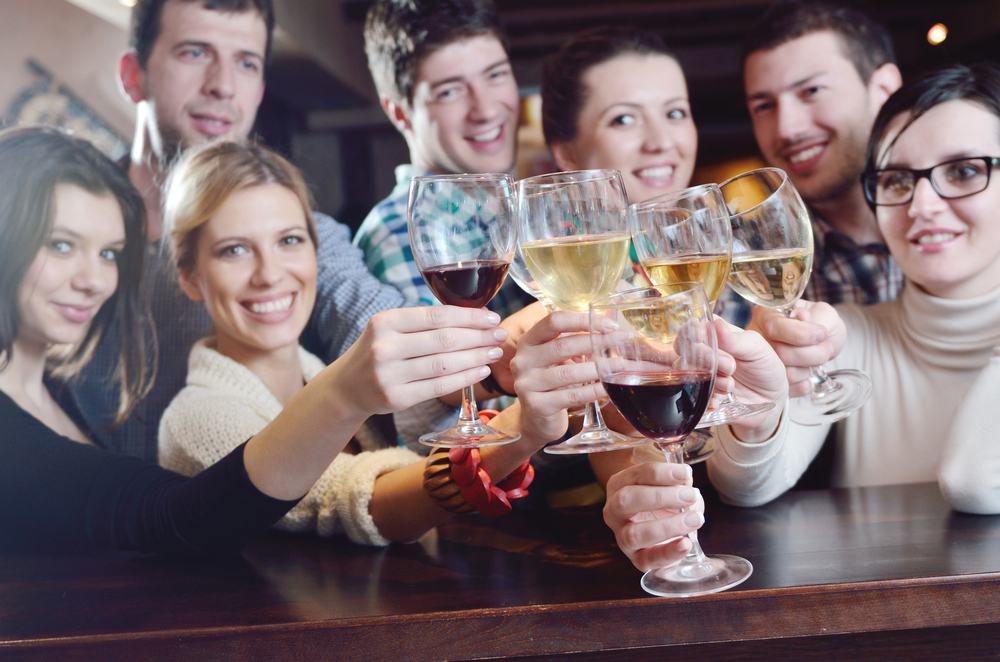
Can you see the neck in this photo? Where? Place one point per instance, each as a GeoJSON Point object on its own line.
{"type": "Point", "coordinates": [24, 372]}
{"type": "Point", "coordinates": [850, 214]}
{"type": "Point", "coordinates": [279, 369]}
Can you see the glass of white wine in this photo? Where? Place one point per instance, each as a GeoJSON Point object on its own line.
{"type": "Point", "coordinates": [575, 246]}
{"type": "Point", "coordinates": [684, 237]}
{"type": "Point", "coordinates": [772, 262]}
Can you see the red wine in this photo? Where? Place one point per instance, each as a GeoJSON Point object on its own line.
{"type": "Point", "coordinates": [661, 405]}
{"type": "Point", "coordinates": [471, 284]}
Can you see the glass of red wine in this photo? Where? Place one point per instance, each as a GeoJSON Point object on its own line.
{"type": "Point", "coordinates": [462, 234]}
{"type": "Point", "coordinates": [656, 355]}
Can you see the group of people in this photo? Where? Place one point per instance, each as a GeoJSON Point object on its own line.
{"type": "Point", "coordinates": [190, 353]}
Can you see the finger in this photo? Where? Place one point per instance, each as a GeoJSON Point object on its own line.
{"type": "Point", "coordinates": [554, 350]}
{"type": "Point", "coordinates": [438, 341]}
{"type": "Point", "coordinates": [554, 325]}
{"type": "Point", "coordinates": [424, 318]}
{"type": "Point", "coordinates": [638, 535]}
{"type": "Point", "coordinates": [661, 556]}
{"type": "Point", "coordinates": [426, 389]}
{"type": "Point", "coordinates": [631, 500]}
{"type": "Point", "coordinates": [650, 473]}
{"type": "Point", "coordinates": [780, 329]}
{"type": "Point", "coordinates": [556, 377]}
{"type": "Point", "coordinates": [568, 398]}
{"type": "Point", "coordinates": [804, 357]}
{"type": "Point", "coordinates": [447, 363]}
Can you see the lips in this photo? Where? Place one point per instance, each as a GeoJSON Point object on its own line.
{"type": "Point", "coordinates": [212, 125]}
{"type": "Point", "coordinates": [271, 309]}
{"type": "Point", "coordinates": [489, 141]}
{"type": "Point", "coordinates": [802, 160]}
{"type": "Point", "coordinates": [656, 176]}
{"type": "Point", "coordinates": [76, 314]}
{"type": "Point", "coordinates": [933, 240]}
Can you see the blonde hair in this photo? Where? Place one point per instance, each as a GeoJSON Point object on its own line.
{"type": "Point", "coordinates": [204, 178]}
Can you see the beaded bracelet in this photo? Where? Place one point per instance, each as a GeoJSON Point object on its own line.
{"type": "Point", "coordinates": [455, 478]}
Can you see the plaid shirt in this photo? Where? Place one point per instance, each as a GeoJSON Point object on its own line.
{"type": "Point", "coordinates": [385, 241]}
{"type": "Point", "coordinates": [842, 272]}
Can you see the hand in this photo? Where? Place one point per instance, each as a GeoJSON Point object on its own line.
{"type": "Point", "coordinates": [408, 355]}
{"type": "Point", "coordinates": [643, 509]}
{"type": "Point", "coordinates": [547, 379]}
{"type": "Point", "coordinates": [812, 336]}
{"type": "Point", "coordinates": [749, 365]}
{"type": "Point", "coordinates": [516, 326]}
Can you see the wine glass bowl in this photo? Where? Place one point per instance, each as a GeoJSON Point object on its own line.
{"type": "Point", "coordinates": [575, 246]}
{"type": "Point", "coordinates": [772, 262]}
{"type": "Point", "coordinates": [463, 233]}
{"type": "Point", "coordinates": [656, 356]}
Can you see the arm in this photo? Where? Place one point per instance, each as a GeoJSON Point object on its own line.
{"type": "Point", "coordinates": [970, 466]}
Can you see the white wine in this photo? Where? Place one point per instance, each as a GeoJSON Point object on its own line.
{"type": "Point", "coordinates": [772, 278]}
{"type": "Point", "coordinates": [573, 271]}
{"type": "Point", "coordinates": [709, 270]}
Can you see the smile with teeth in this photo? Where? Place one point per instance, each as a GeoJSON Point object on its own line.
{"type": "Point", "coordinates": [655, 172]}
{"type": "Point", "coordinates": [935, 238]}
{"type": "Point", "coordinates": [489, 136]}
{"type": "Point", "coordinates": [274, 306]}
{"type": "Point", "coordinates": [806, 154]}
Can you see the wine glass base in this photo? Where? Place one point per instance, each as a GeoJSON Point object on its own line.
{"type": "Point", "coordinates": [468, 436]}
{"type": "Point", "coordinates": [731, 412]}
{"type": "Point", "coordinates": [698, 447]}
{"type": "Point", "coordinates": [714, 574]}
{"type": "Point", "coordinates": [850, 389]}
{"type": "Point", "coordinates": [595, 441]}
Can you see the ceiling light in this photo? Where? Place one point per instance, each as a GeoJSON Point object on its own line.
{"type": "Point", "coordinates": [937, 34]}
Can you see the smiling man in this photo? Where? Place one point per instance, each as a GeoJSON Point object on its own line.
{"type": "Point", "coordinates": [445, 81]}
{"type": "Point", "coordinates": [195, 71]}
{"type": "Point", "coordinates": [815, 75]}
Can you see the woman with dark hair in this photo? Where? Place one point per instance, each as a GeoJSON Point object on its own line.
{"type": "Point", "coordinates": [71, 247]}
{"type": "Point", "coordinates": [617, 98]}
{"type": "Point", "coordinates": [934, 354]}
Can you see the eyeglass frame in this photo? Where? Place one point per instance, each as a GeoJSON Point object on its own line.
{"type": "Point", "coordinates": [925, 173]}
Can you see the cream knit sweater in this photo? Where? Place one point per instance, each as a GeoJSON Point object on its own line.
{"type": "Point", "coordinates": [224, 403]}
{"type": "Point", "coordinates": [934, 413]}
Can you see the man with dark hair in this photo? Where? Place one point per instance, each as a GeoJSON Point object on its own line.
{"type": "Point", "coordinates": [815, 75]}
{"type": "Point", "coordinates": [195, 71]}
{"type": "Point", "coordinates": [445, 81]}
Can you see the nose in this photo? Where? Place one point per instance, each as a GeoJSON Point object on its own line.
{"type": "Point", "coordinates": [484, 104]}
{"type": "Point", "coordinates": [220, 81]}
{"type": "Point", "coordinates": [657, 136]}
{"type": "Point", "coordinates": [95, 276]}
{"type": "Point", "coordinates": [266, 270]}
{"type": "Point", "coordinates": [792, 119]}
{"type": "Point", "coordinates": [926, 202]}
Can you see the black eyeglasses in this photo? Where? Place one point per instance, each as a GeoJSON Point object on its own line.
{"type": "Point", "coordinates": [957, 178]}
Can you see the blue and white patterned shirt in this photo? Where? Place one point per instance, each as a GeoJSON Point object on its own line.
{"type": "Point", "coordinates": [843, 272]}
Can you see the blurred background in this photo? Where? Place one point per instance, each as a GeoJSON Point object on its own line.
{"type": "Point", "coordinates": [60, 63]}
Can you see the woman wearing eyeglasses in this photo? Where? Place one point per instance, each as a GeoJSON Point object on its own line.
{"type": "Point", "coordinates": [934, 354]}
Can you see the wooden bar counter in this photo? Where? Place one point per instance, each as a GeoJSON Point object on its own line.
{"type": "Point", "coordinates": [878, 573]}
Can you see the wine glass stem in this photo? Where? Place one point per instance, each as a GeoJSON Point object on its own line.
{"type": "Point", "coordinates": [675, 454]}
{"type": "Point", "coordinates": [469, 415]}
{"type": "Point", "coordinates": [822, 383]}
{"type": "Point", "coordinates": [592, 418]}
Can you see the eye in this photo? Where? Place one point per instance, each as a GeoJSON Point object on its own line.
{"type": "Point", "coordinates": [759, 107]}
{"type": "Point", "coordinates": [292, 240]}
{"type": "Point", "coordinates": [811, 91]}
{"type": "Point", "coordinates": [625, 119]}
{"type": "Point", "coordinates": [499, 74]}
{"type": "Point", "coordinates": [60, 246]}
{"type": "Point", "coordinates": [895, 181]}
{"type": "Point", "coordinates": [232, 251]}
{"type": "Point", "coordinates": [448, 93]}
{"type": "Point", "coordinates": [110, 254]}
{"type": "Point", "coordinates": [677, 114]}
{"type": "Point", "coordinates": [963, 171]}
{"type": "Point", "coordinates": [250, 65]}
{"type": "Point", "coordinates": [192, 53]}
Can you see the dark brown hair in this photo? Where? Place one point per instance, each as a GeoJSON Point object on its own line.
{"type": "Point", "coordinates": [563, 90]}
{"type": "Point", "coordinates": [33, 161]}
{"type": "Point", "coordinates": [866, 43]}
{"type": "Point", "coordinates": [399, 34]}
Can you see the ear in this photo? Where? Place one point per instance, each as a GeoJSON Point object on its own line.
{"type": "Point", "coordinates": [565, 156]}
{"type": "Point", "coordinates": [190, 287]}
{"type": "Point", "coordinates": [130, 75]}
{"type": "Point", "coordinates": [884, 81]}
{"type": "Point", "coordinates": [397, 114]}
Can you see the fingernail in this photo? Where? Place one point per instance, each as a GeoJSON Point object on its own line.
{"type": "Point", "coordinates": [694, 519]}
{"type": "Point", "coordinates": [484, 370]}
{"type": "Point", "coordinates": [687, 494]}
{"type": "Point", "coordinates": [495, 353]}
{"type": "Point", "coordinates": [500, 334]}
{"type": "Point", "coordinates": [681, 472]}
{"type": "Point", "coordinates": [492, 317]}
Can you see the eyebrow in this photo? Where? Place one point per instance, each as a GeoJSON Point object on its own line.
{"type": "Point", "coordinates": [630, 104]}
{"type": "Point", "coordinates": [459, 79]}
{"type": "Point", "coordinates": [756, 96]}
{"type": "Point", "coordinates": [953, 156]}
{"type": "Point", "coordinates": [304, 227]}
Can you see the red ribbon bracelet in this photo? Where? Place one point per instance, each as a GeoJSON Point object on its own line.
{"type": "Point", "coordinates": [477, 487]}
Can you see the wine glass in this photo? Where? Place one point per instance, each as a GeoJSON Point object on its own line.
{"type": "Point", "coordinates": [575, 246]}
{"type": "Point", "coordinates": [685, 236]}
{"type": "Point", "coordinates": [462, 234]}
{"type": "Point", "coordinates": [656, 355]}
{"type": "Point", "coordinates": [772, 261]}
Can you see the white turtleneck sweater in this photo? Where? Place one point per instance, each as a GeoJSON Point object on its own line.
{"type": "Point", "coordinates": [224, 403]}
{"type": "Point", "coordinates": [934, 413]}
